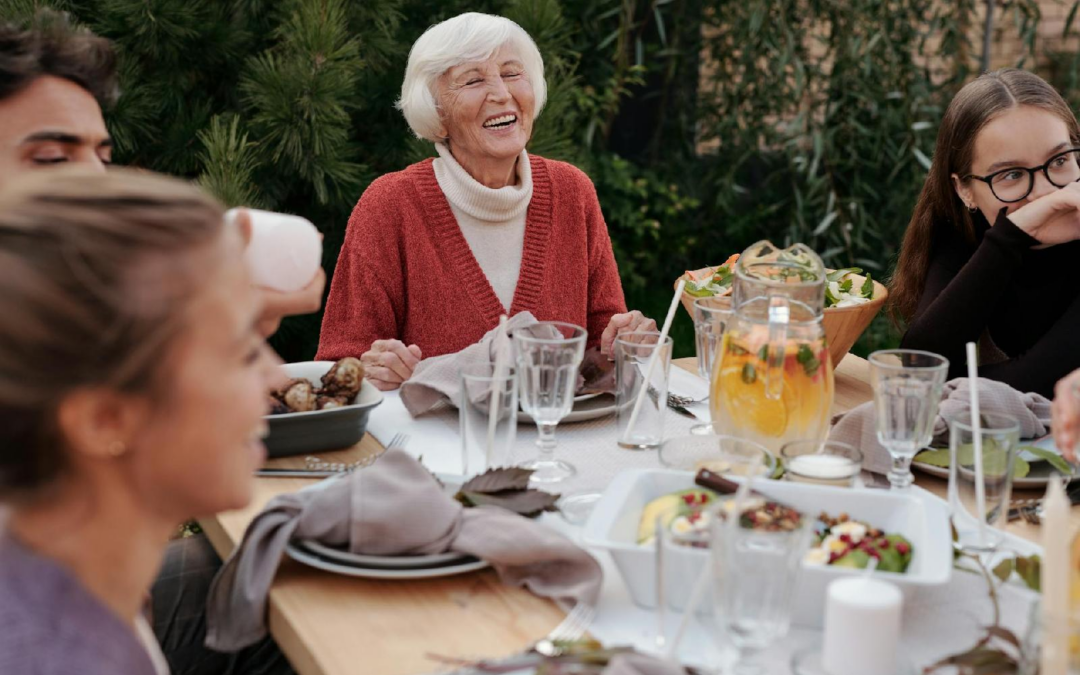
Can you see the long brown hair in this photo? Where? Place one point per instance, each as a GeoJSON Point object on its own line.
{"type": "Point", "coordinates": [974, 106]}
{"type": "Point", "coordinates": [97, 271]}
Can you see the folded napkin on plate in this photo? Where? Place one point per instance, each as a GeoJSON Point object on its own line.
{"type": "Point", "coordinates": [1032, 411]}
{"type": "Point", "coordinates": [394, 507]}
{"type": "Point", "coordinates": [438, 379]}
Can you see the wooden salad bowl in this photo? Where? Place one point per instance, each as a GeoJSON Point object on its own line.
{"type": "Point", "coordinates": [843, 325]}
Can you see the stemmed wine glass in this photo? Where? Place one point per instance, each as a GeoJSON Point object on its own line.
{"type": "Point", "coordinates": [548, 356]}
{"type": "Point", "coordinates": [907, 389]}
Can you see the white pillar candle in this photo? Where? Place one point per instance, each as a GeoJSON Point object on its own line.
{"type": "Point", "coordinates": [1056, 536]}
{"type": "Point", "coordinates": [862, 627]}
{"type": "Point", "coordinates": [284, 252]}
{"type": "Point", "coordinates": [821, 466]}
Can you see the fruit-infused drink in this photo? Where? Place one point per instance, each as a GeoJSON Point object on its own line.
{"type": "Point", "coordinates": [772, 378]}
{"type": "Point", "coordinates": [741, 402]}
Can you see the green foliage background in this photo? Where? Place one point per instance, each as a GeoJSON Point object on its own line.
{"type": "Point", "coordinates": [706, 124]}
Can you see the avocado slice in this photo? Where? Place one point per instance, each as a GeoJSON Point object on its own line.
{"type": "Point", "coordinates": [855, 559]}
{"type": "Point", "coordinates": [670, 507]}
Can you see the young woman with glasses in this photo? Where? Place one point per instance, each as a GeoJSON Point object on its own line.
{"type": "Point", "coordinates": [992, 249]}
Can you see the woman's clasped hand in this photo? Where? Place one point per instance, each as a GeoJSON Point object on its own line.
{"type": "Point", "coordinates": [389, 363]}
{"type": "Point", "coordinates": [1053, 218]}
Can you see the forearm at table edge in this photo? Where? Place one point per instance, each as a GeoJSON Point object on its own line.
{"type": "Point", "coordinates": [960, 308]}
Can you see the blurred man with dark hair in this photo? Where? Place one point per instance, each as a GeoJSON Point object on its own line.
{"type": "Point", "coordinates": [55, 80]}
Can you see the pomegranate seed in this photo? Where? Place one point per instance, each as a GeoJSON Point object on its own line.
{"type": "Point", "coordinates": [902, 548]}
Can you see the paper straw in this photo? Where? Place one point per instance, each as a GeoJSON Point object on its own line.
{"type": "Point", "coordinates": [653, 358]}
{"type": "Point", "coordinates": [496, 389]}
{"type": "Point", "coordinates": [976, 437]}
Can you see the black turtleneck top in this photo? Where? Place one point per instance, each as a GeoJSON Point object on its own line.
{"type": "Point", "coordinates": [1026, 299]}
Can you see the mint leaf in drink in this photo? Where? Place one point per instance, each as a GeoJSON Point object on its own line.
{"type": "Point", "coordinates": [808, 360]}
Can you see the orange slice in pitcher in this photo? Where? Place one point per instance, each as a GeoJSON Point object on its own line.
{"type": "Point", "coordinates": [746, 402]}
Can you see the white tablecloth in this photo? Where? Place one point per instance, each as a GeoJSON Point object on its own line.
{"type": "Point", "coordinates": [937, 621]}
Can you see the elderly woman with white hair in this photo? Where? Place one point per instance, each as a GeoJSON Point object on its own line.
{"type": "Point", "coordinates": [434, 254]}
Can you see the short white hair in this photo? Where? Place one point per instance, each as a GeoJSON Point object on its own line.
{"type": "Point", "coordinates": [463, 39]}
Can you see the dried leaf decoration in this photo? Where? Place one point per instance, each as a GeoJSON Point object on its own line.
{"type": "Point", "coordinates": [508, 488]}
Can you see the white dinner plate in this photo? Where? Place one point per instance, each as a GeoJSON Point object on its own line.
{"type": "Point", "coordinates": [318, 562]}
{"type": "Point", "coordinates": [586, 407]}
{"type": "Point", "coordinates": [401, 562]}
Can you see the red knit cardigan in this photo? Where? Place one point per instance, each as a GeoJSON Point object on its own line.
{"type": "Point", "coordinates": [405, 270]}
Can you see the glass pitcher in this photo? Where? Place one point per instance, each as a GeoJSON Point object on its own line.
{"type": "Point", "coordinates": [772, 380]}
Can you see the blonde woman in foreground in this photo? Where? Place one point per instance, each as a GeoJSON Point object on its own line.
{"type": "Point", "coordinates": [132, 390]}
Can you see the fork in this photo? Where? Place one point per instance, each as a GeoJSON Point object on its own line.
{"type": "Point", "coordinates": [683, 401]}
{"type": "Point", "coordinates": [570, 629]}
{"type": "Point", "coordinates": [398, 442]}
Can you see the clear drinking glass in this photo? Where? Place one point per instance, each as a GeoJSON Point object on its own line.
{"type": "Point", "coordinates": [548, 355]}
{"type": "Point", "coordinates": [710, 321]}
{"type": "Point", "coordinates": [821, 462]}
{"type": "Point", "coordinates": [755, 572]}
{"type": "Point", "coordinates": [679, 562]}
{"type": "Point", "coordinates": [907, 389]}
{"type": "Point", "coordinates": [1000, 434]}
{"type": "Point", "coordinates": [1063, 631]}
{"type": "Point", "coordinates": [488, 416]}
{"type": "Point", "coordinates": [633, 352]}
{"type": "Point", "coordinates": [717, 453]}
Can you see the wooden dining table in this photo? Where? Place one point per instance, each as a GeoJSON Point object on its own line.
{"type": "Point", "coordinates": [329, 624]}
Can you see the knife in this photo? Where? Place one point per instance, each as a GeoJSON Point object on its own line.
{"type": "Point", "coordinates": [296, 473]}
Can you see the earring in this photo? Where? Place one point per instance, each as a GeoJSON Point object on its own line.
{"type": "Point", "coordinates": [973, 209]}
{"type": "Point", "coordinates": [117, 448]}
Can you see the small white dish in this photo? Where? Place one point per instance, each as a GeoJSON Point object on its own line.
{"type": "Point", "coordinates": [318, 562]}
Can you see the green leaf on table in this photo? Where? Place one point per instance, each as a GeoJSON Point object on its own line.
{"type": "Point", "coordinates": [993, 460]}
{"type": "Point", "coordinates": [1030, 570]}
{"type": "Point", "coordinates": [523, 502]}
{"type": "Point", "coordinates": [1056, 460]}
{"type": "Point", "coordinates": [1004, 569]}
{"type": "Point", "coordinates": [499, 479]}
{"type": "Point", "coordinates": [939, 458]}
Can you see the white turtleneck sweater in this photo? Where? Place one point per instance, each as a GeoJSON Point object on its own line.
{"type": "Point", "coordinates": [492, 220]}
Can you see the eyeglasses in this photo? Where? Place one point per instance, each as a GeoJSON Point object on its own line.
{"type": "Point", "coordinates": [1016, 183]}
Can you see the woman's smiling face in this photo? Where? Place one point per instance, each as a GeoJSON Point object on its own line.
{"type": "Point", "coordinates": [1024, 137]}
{"type": "Point", "coordinates": [487, 108]}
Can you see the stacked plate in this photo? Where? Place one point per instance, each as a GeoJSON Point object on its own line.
{"type": "Point", "coordinates": [341, 561]}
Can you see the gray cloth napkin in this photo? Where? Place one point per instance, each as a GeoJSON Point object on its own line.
{"type": "Point", "coordinates": [438, 380]}
{"type": "Point", "coordinates": [1032, 411]}
{"type": "Point", "coordinates": [394, 507]}
{"type": "Point", "coordinates": [642, 664]}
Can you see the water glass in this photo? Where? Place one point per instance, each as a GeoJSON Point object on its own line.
{"type": "Point", "coordinates": [755, 574]}
{"type": "Point", "coordinates": [488, 416]}
{"type": "Point", "coordinates": [680, 560]}
{"type": "Point", "coordinates": [710, 321]}
{"type": "Point", "coordinates": [907, 389]}
{"type": "Point", "coordinates": [633, 352]}
{"type": "Point", "coordinates": [548, 354]}
{"type": "Point", "coordinates": [1000, 435]}
{"type": "Point", "coordinates": [717, 453]}
{"type": "Point", "coordinates": [821, 462]}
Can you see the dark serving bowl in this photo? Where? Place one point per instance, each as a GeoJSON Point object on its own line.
{"type": "Point", "coordinates": [320, 430]}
